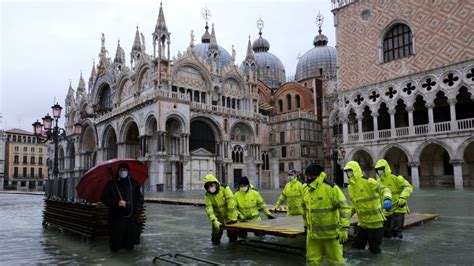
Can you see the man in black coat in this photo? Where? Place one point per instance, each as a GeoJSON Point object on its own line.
{"type": "Point", "coordinates": [125, 201]}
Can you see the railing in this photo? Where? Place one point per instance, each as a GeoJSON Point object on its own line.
{"type": "Point", "coordinates": [421, 129]}
{"type": "Point", "coordinates": [294, 115]}
{"type": "Point", "coordinates": [465, 124]}
{"type": "Point", "coordinates": [386, 133]}
{"type": "Point", "coordinates": [402, 131]}
{"type": "Point", "coordinates": [354, 137]}
{"type": "Point", "coordinates": [368, 135]}
{"type": "Point", "coordinates": [442, 126]}
{"type": "Point", "coordinates": [224, 110]}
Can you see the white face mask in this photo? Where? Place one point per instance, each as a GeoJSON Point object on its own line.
{"type": "Point", "coordinates": [212, 189]}
{"type": "Point", "coordinates": [244, 189]}
{"type": "Point", "coordinates": [379, 172]}
{"type": "Point", "coordinates": [123, 174]}
{"type": "Point", "coordinates": [349, 173]}
{"type": "Point", "coordinates": [290, 177]}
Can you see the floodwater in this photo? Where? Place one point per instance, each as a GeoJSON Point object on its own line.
{"type": "Point", "coordinates": [186, 230]}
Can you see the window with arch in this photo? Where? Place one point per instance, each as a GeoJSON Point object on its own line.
{"type": "Point", "coordinates": [265, 161]}
{"type": "Point", "coordinates": [288, 102]}
{"type": "Point", "coordinates": [298, 101]}
{"type": "Point", "coordinates": [237, 154]}
{"type": "Point", "coordinates": [280, 106]}
{"type": "Point", "coordinates": [397, 42]}
{"type": "Point", "coordinates": [105, 98]}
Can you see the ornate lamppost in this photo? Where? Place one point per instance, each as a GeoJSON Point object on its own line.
{"type": "Point", "coordinates": [46, 132]}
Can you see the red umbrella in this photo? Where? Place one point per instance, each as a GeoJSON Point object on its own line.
{"type": "Point", "coordinates": [94, 181]}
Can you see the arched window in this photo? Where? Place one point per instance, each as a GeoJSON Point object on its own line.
{"type": "Point", "coordinates": [105, 98]}
{"type": "Point", "coordinates": [238, 154]}
{"type": "Point", "coordinates": [397, 42]}
{"type": "Point", "coordinates": [280, 106]}
{"type": "Point", "coordinates": [288, 102]}
{"type": "Point", "coordinates": [298, 101]}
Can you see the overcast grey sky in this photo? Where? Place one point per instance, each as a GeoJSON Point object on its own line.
{"type": "Point", "coordinates": [44, 44]}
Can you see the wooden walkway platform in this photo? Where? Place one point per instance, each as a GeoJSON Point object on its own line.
{"type": "Point", "coordinates": [292, 226]}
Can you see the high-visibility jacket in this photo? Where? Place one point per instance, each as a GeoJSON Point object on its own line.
{"type": "Point", "coordinates": [326, 209]}
{"type": "Point", "coordinates": [220, 206]}
{"type": "Point", "coordinates": [293, 192]}
{"type": "Point", "coordinates": [365, 194]}
{"type": "Point", "coordinates": [398, 185]}
{"type": "Point", "coordinates": [249, 204]}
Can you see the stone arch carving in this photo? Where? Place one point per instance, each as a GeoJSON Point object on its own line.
{"type": "Point", "coordinates": [419, 149]}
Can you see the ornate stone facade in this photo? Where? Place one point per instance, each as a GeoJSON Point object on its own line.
{"type": "Point", "coordinates": [406, 78]}
{"type": "Point", "coordinates": [191, 115]}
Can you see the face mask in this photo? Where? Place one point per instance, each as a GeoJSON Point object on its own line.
{"type": "Point", "coordinates": [290, 177]}
{"type": "Point", "coordinates": [123, 174]}
{"type": "Point", "coordinates": [379, 172]}
{"type": "Point", "coordinates": [244, 189]}
{"type": "Point", "coordinates": [349, 173]}
{"type": "Point", "coordinates": [212, 189]}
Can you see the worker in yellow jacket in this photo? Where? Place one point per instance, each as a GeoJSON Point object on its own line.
{"type": "Point", "coordinates": [401, 191]}
{"type": "Point", "coordinates": [327, 216]}
{"type": "Point", "coordinates": [293, 193]}
{"type": "Point", "coordinates": [249, 204]}
{"type": "Point", "coordinates": [365, 194]}
{"type": "Point", "coordinates": [220, 208]}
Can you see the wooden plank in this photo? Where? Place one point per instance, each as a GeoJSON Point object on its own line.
{"type": "Point", "coordinates": [292, 226]}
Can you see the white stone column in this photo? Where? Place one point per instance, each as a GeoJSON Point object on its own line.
{"type": "Point", "coordinates": [452, 110]}
{"type": "Point", "coordinates": [345, 130]}
{"type": "Point", "coordinates": [457, 167]}
{"type": "Point", "coordinates": [375, 116]}
{"type": "Point", "coordinates": [154, 175]}
{"type": "Point", "coordinates": [161, 172]}
{"type": "Point", "coordinates": [392, 122]}
{"type": "Point", "coordinates": [187, 182]}
{"type": "Point", "coordinates": [173, 176]}
{"type": "Point", "coordinates": [430, 117]}
{"type": "Point", "coordinates": [359, 126]}
{"type": "Point", "coordinates": [411, 129]}
{"type": "Point", "coordinates": [415, 178]}
{"type": "Point", "coordinates": [274, 173]}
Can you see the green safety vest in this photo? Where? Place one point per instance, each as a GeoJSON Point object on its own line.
{"type": "Point", "coordinates": [326, 209]}
{"type": "Point", "coordinates": [293, 192]}
{"type": "Point", "coordinates": [249, 204]}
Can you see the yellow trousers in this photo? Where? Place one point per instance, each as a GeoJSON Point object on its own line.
{"type": "Point", "coordinates": [316, 249]}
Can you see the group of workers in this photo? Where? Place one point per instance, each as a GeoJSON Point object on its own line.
{"type": "Point", "coordinates": [380, 204]}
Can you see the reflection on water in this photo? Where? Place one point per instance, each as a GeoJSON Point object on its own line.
{"type": "Point", "coordinates": [185, 229]}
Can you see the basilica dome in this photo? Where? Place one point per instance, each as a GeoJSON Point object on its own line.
{"type": "Point", "coordinates": [270, 69]}
{"type": "Point", "coordinates": [202, 48]}
{"type": "Point", "coordinates": [318, 61]}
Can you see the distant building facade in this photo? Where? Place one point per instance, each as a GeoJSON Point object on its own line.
{"type": "Point", "coordinates": [406, 87]}
{"type": "Point", "coordinates": [198, 112]}
{"type": "Point", "coordinates": [25, 161]}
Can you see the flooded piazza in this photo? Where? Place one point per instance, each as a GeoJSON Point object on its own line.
{"type": "Point", "coordinates": [186, 230]}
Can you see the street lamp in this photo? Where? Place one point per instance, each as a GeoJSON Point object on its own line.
{"type": "Point", "coordinates": [46, 132]}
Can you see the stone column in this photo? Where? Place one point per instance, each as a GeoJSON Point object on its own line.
{"type": "Point", "coordinates": [375, 116]}
{"type": "Point", "coordinates": [154, 174]}
{"type": "Point", "coordinates": [457, 167]}
{"type": "Point", "coordinates": [392, 112]}
{"type": "Point", "coordinates": [187, 182]}
{"type": "Point", "coordinates": [274, 173]}
{"type": "Point", "coordinates": [411, 129]}
{"type": "Point", "coordinates": [359, 126]}
{"type": "Point", "coordinates": [452, 109]}
{"type": "Point", "coordinates": [430, 117]}
{"type": "Point", "coordinates": [161, 172]}
{"type": "Point", "coordinates": [415, 178]}
{"type": "Point", "coordinates": [173, 176]}
{"type": "Point", "coordinates": [345, 130]}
